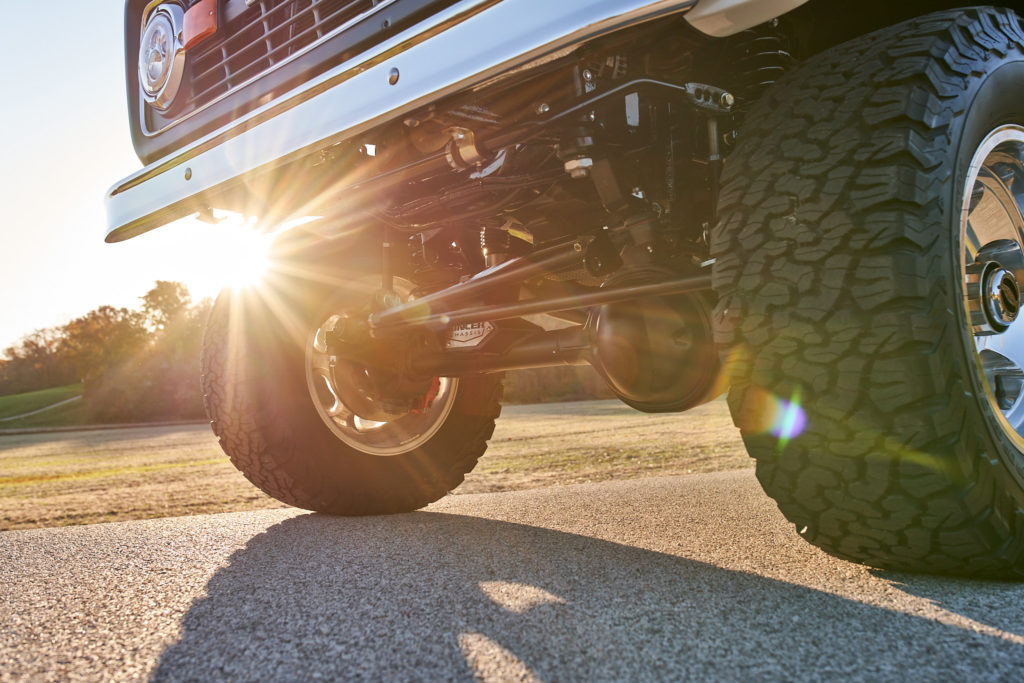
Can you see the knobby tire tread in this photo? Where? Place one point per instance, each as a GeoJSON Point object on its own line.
{"type": "Point", "coordinates": [261, 444]}
{"type": "Point", "coordinates": [831, 267]}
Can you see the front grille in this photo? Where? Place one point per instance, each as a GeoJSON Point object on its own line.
{"type": "Point", "coordinates": [261, 51]}
{"type": "Point", "coordinates": [265, 34]}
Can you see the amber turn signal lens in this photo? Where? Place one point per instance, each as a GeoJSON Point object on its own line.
{"type": "Point", "coordinates": [200, 23]}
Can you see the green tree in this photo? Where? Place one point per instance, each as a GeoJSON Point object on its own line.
{"type": "Point", "coordinates": [102, 339]}
{"type": "Point", "coordinates": [35, 362]}
{"type": "Point", "coordinates": [135, 364]}
{"type": "Point", "coordinates": [156, 374]}
{"type": "Point", "coordinates": [164, 303]}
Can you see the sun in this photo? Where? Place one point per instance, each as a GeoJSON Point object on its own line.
{"type": "Point", "coordinates": [236, 253]}
{"type": "Point", "coordinates": [232, 252]}
{"type": "Point", "coordinates": [247, 258]}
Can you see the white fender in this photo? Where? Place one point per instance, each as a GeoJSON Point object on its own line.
{"type": "Point", "coordinates": [721, 18]}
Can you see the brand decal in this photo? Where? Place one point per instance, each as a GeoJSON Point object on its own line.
{"type": "Point", "coordinates": [468, 335]}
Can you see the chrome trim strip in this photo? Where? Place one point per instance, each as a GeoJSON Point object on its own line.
{"type": "Point", "coordinates": [150, 6]}
{"type": "Point", "coordinates": [483, 39]}
{"type": "Point", "coordinates": [376, 8]}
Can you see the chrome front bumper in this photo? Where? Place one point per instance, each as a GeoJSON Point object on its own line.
{"type": "Point", "coordinates": [459, 48]}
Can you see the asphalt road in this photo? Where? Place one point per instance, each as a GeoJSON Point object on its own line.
{"type": "Point", "coordinates": [649, 579]}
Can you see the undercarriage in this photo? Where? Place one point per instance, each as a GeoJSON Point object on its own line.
{"type": "Point", "coordinates": [561, 221]}
{"type": "Point", "coordinates": [819, 209]}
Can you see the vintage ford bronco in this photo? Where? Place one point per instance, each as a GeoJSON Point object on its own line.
{"type": "Point", "coordinates": [814, 204]}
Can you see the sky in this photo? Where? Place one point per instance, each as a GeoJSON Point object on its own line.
{"type": "Point", "coordinates": [64, 141]}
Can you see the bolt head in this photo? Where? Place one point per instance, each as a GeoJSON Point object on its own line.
{"type": "Point", "coordinates": [579, 168]}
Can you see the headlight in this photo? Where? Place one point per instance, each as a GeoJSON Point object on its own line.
{"type": "Point", "coordinates": [161, 55]}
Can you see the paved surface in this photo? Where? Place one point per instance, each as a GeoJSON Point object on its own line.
{"type": "Point", "coordinates": [651, 579]}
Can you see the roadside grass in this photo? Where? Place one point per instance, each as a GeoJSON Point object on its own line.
{"type": "Point", "coordinates": [16, 404]}
{"type": "Point", "coordinates": [67, 415]}
{"type": "Point", "coordinates": [82, 477]}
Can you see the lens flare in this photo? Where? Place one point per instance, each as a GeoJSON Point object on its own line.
{"type": "Point", "coordinates": [765, 413]}
{"type": "Point", "coordinates": [790, 419]}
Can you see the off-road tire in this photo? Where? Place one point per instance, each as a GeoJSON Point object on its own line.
{"type": "Point", "coordinates": [260, 407]}
{"type": "Point", "coordinates": [840, 308]}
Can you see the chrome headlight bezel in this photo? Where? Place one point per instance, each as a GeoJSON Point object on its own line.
{"type": "Point", "coordinates": [170, 17]}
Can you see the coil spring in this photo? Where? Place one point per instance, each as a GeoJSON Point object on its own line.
{"type": "Point", "coordinates": [760, 57]}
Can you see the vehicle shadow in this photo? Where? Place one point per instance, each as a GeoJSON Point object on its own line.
{"type": "Point", "coordinates": [433, 596]}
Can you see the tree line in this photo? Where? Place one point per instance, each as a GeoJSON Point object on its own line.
{"type": "Point", "coordinates": [143, 364]}
{"type": "Point", "coordinates": [135, 364]}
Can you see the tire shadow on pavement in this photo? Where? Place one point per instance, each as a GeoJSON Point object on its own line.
{"type": "Point", "coordinates": [437, 596]}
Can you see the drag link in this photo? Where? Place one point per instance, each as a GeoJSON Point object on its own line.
{"type": "Point", "coordinates": [511, 273]}
{"type": "Point", "coordinates": [442, 321]}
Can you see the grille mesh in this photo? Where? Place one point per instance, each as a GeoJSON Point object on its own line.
{"type": "Point", "coordinates": [265, 34]}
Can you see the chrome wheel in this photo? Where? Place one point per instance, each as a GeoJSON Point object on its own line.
{"type": "Point", "coordinates": [992, 270]}
{"type": "Point", "coordinates": [344, 394]}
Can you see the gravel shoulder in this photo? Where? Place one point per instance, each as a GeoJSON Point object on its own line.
{"type": "Point", "coordinates": [649, 579]}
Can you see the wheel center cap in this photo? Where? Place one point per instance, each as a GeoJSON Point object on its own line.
{"type": "Point", "coordinates": [994, 297]}
{"type": "Point", "coordinates": [1002, 297]}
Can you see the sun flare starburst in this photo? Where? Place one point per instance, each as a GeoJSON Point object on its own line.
{"type": "Point", "coordinates": [241, 247]}
{"type": "Point", "coordinates": [248, 258]}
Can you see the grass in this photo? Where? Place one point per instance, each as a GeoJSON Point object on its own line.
{"type": "Point", "coordinates": [82, 477]}
{"type": "Point", "coordinates": [67, 415]}
{"type": "Point", "coordinates": [16, 404]}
